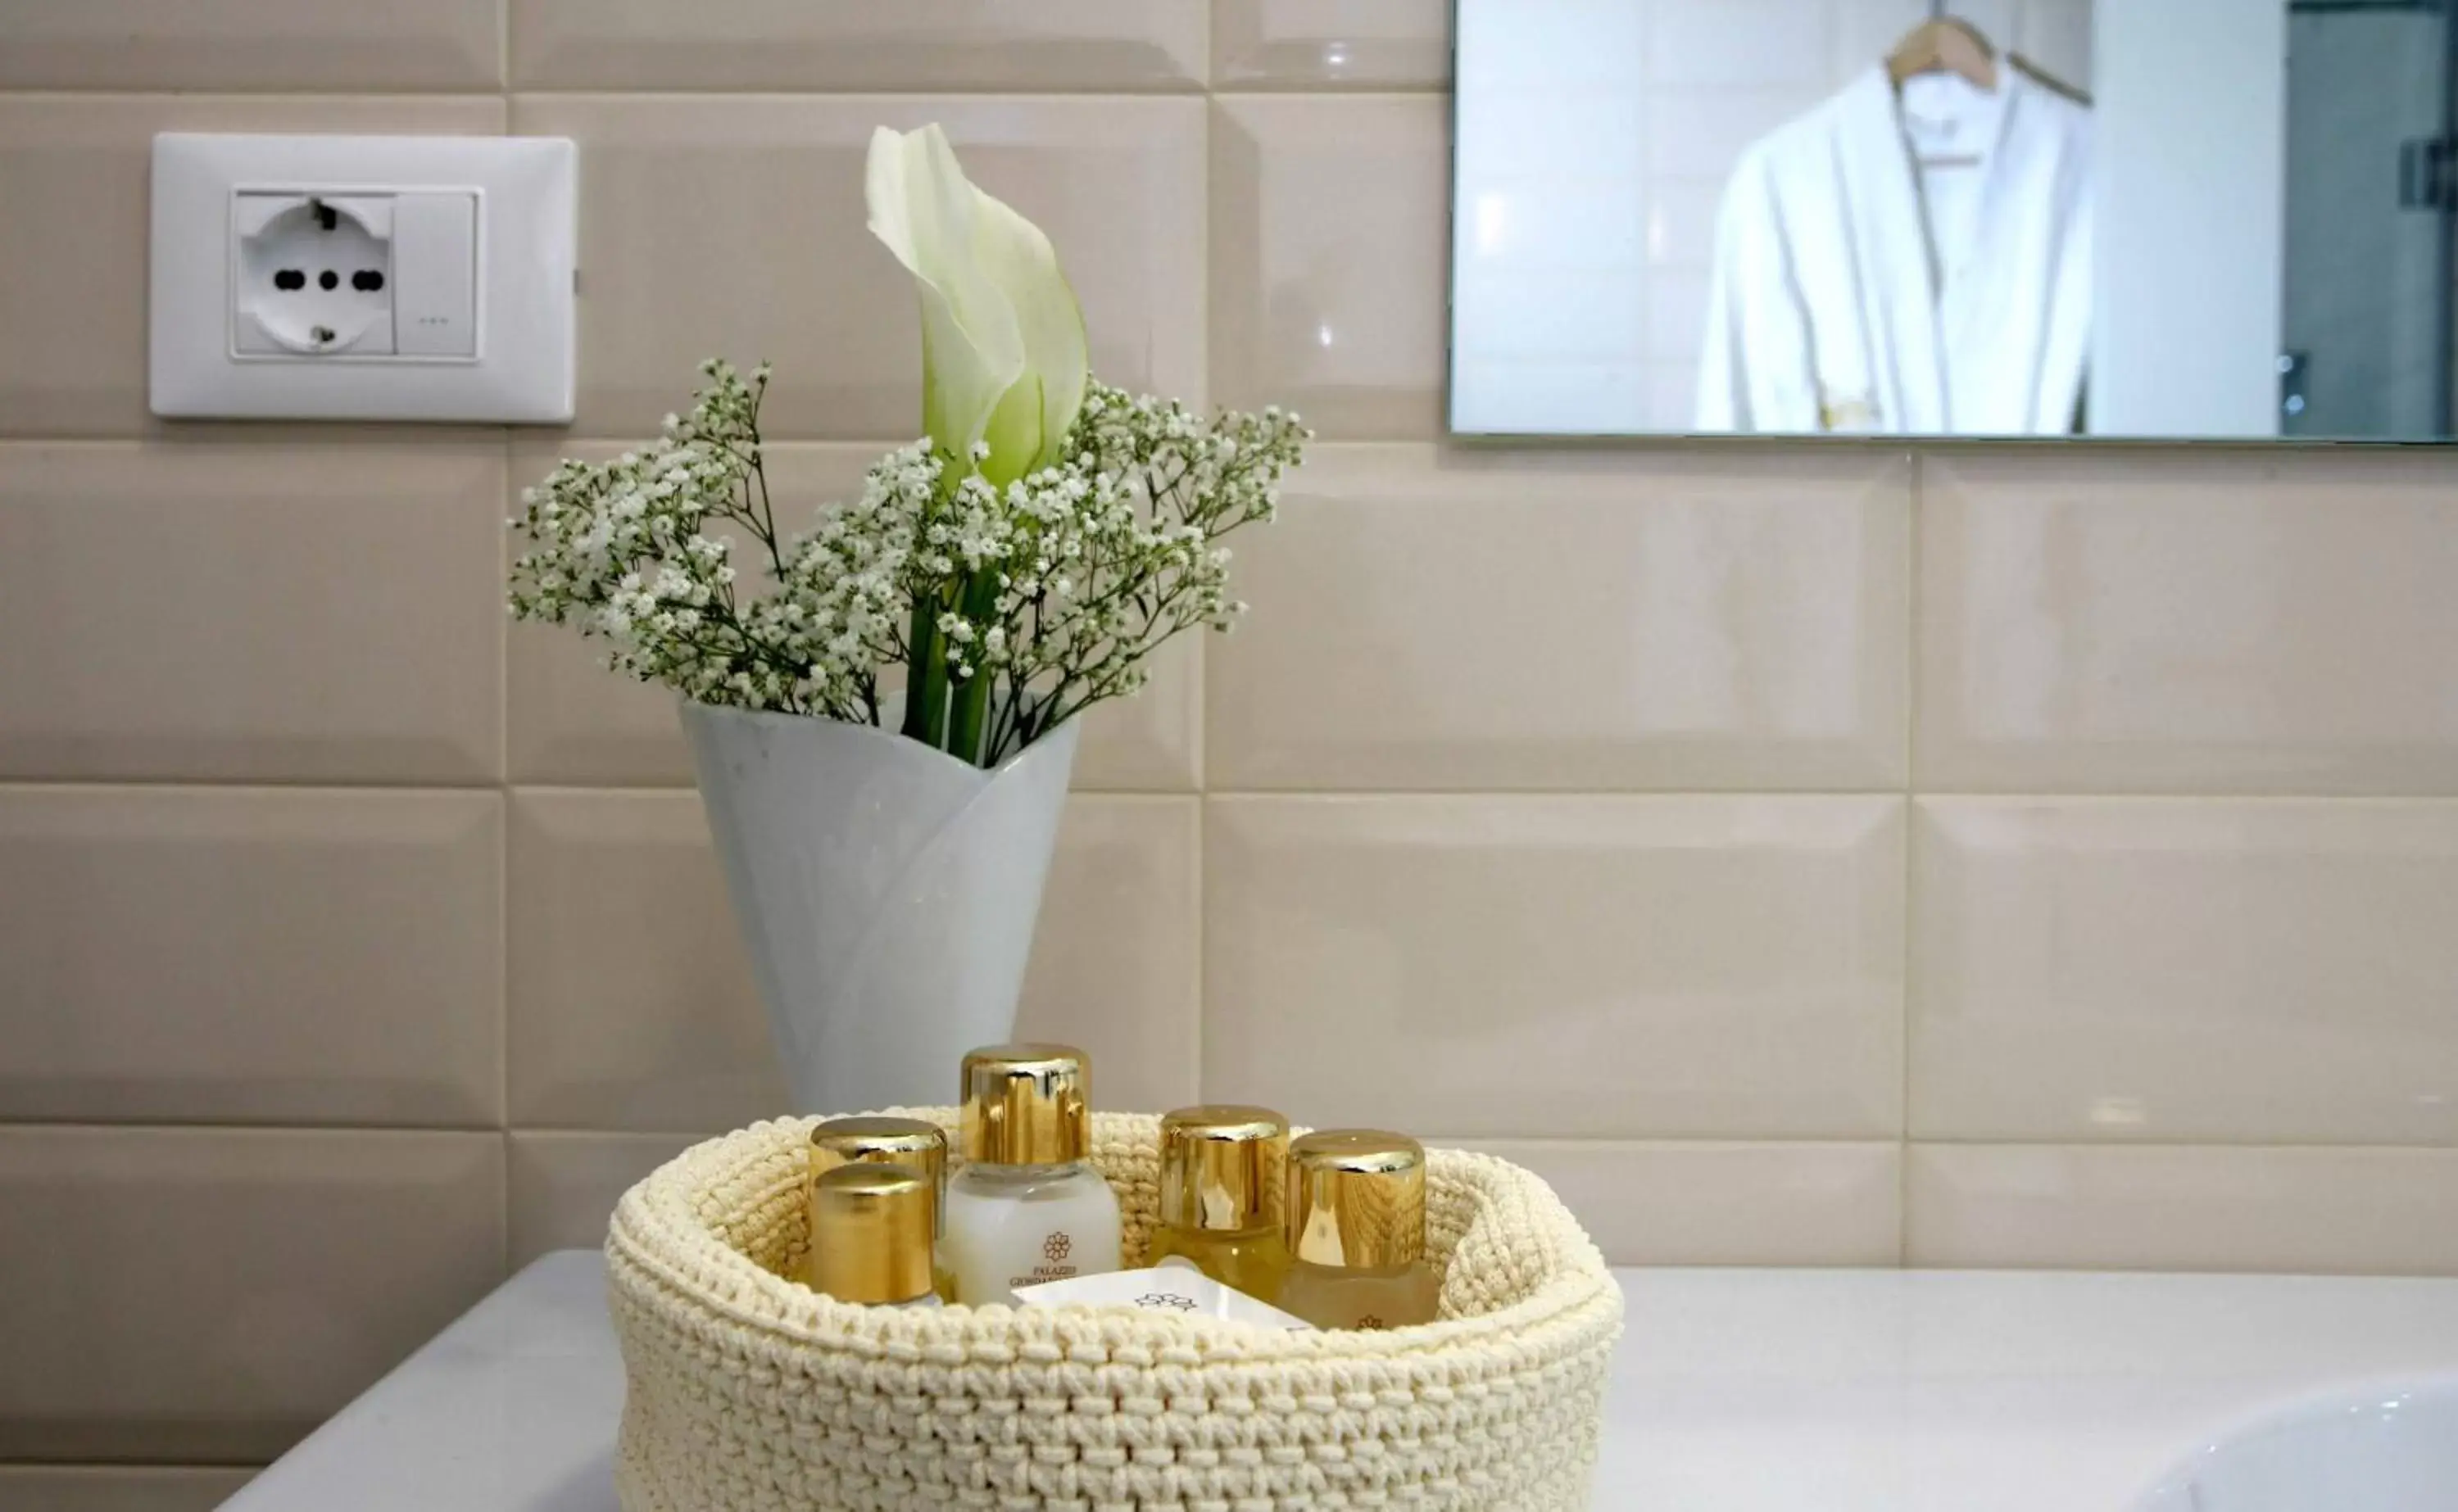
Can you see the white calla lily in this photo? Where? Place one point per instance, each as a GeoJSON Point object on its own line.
{"type": "Point", "coordinates": [1003, 358]}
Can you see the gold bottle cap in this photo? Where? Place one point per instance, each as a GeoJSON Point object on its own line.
{"type": "Point", "coordinates": [1220, 1168]}
{"type": "Point", "coordinates": [872, 1227]}
{"type": "Point", "coordinates": [1027, 1104]}
{"type": "Point", "coordinates": [889, 1141]}
{"type": "Point", "coordinates": [1357, 1199]}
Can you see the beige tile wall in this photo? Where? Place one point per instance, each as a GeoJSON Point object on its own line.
{"type": "Point", "coordinates": [1806, 855]}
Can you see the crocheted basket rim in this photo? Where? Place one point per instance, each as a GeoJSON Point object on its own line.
{"type": "Point", "coordinates": [670, 1230]}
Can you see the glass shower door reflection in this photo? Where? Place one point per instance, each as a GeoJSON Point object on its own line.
{"type": "Point", "coordinates": [2372, 179]}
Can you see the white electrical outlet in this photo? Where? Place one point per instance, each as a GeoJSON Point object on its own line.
{"type": "Point", "coordinates": [363, 278]}
{"type": "Point", "coordinates": [314, 275]}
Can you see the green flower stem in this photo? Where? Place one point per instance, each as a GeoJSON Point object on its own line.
{"type": "Point", "coordinates": [926, 675]}
{"type": "Point", "coordinates": [972, 696]}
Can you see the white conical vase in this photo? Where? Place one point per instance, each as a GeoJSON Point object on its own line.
{"type": "Point", "coordinates": [887, 893]}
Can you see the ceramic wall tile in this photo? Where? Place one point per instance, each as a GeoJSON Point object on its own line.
{"type": "Point", "coordinates": [1677, 300]}
{"type": "Point", "coordinates": [1328, 225]}
{"type": "Point", "coordinates": [251, 44]}
{"type": "Point", "coordinates": [1153, 741]}
{"type": "Point", "coordinates": [1671, 395]}
{"type": "Point", "coordinates": [632, 1002]}
{"type": "Point", "coordinates": [1577, 323]}
{"type": "Point", "coordinates": [1702, 133]}
{"type": "Point", "coordinates": [2056, 35]}
{"type": "Point", "coordinates": [857, 44]}
{"type": "Point", "coordinates": [250, 954]}
{"type": "Point", "coordinates": [1511, 394]}
{"type": "Point", "coordinates": [184, 610]}
{"type": "Point", "coordinates": [2183, 621]}
{"type": "Point", "coordinates": [1561, 47]}
{"type": "Point", "coordinates": [1116, 963]}
{"type": "Point", "coordinates": [1596, 968]}
{"type": "Point", "coordinates": [118, 1488]}
{"type": "Point", "coordinates": [1681, 223]}
{"type": "Point", "coordinates": [732, 227]}
{"type": "Point", "coordinates": [562, 1188]}
{"type": "Point", "coordinates": [2248, 971]}
{"type": "Point", "coordinates": [1330, 44]}
{"type": "Point", "coordinates": [72, 304]}
{"type": "Point", "coordinates": [570, 720]}
{"type": "Point", "coordinates": [633, 1006]}
{"type": "Point", "coordinates": [212, 1295]}
{"type": "Point", "coordinates": [1704, 1203]}
{"type": "Point", "coordinates": [1432, 618]}
{"type": "Point", "coordinates": [1604, 115]}
{"type": "Point", "coordinates": [573, 722]}
{"type": "Point", "coordinates": [2183, 1208]}
{"type": "Point", "coordinates": [1592, 241]}
{"type": "Point", "coordinates": [1736, 42]}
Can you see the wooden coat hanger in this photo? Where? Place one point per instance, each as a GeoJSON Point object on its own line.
{"type": "Point", "coordinates": [1944, 44]}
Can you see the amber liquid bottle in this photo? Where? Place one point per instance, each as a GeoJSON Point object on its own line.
{"type": "Point", "coordinates": [910, 1141]}
{"type": "Point", "coordinates": [1220, 1180]}
{"type": "Point", "coordinates": [1355, 1223]}
{"type": "Point", "coordinates": [872, 1231]}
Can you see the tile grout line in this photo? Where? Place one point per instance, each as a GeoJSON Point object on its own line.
{"type": "Point", "coordinates": [140, 1467]}
{"type": "Point", "coordinates": [1201, 967]}
{"type": "Point", "coordinates": [333, 786]}
{"type": "Point", "coordinates": [1064, 94]}
{"type": "Point", "coordinates": [504, 834]}
{"type": "Point", "coordinates": [504, 1031]}
{"type": "Point", "coordinates": [1659, 1142]}
{"type": "Point", "coordinates": [1906, 1002]}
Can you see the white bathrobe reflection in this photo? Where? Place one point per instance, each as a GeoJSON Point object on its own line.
{"type": "Point", "coordinates": [1907, 264]}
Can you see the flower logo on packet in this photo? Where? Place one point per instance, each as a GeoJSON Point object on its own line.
{"type": "Point", "coordinates": [1184, 1304]}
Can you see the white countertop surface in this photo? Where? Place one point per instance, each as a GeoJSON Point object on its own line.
{"type": "Point", "coordinates": [1734, 1391]}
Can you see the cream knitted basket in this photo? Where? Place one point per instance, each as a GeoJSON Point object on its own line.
{"type": "Point", "coordinates": [748, 1390]}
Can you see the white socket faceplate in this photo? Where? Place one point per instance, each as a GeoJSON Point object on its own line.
{"type": "Point", "coordinates": [363, 278]}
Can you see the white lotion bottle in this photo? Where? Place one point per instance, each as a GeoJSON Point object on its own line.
{"type": "Point", "coordinates": [1027, 1208]}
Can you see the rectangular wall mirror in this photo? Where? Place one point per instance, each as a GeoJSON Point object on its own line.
{"type": "Point", "coordinates": [2179, 219]}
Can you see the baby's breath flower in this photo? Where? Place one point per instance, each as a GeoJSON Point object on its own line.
{"type": "Point", "coordinates": [1057, 588]}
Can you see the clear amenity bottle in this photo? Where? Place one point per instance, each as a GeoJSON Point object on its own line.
{"type": "Point", "coordinates": [872, 1227]}
{"type": "Point", "coordinates": [912, 1142]}
{"type": "Point", "coordinates": [1221, 1178]}
{"type": "Point", "coordinates": [1027, 1208]}
{"type": "Point", "coordinates": [1355, 1222]}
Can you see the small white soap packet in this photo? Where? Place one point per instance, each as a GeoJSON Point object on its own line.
{"type": "Point", "coordinates": [1173, 1286]}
